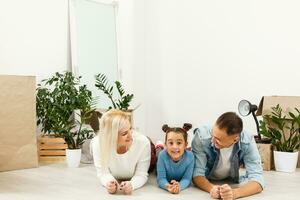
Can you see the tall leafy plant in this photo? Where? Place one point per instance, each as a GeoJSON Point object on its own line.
{"type": "Point", "coordinates": [56, 100]}
{"type": "Point", "coordinates": [123, 100]}
{"type": "Point", "coordinates": [283, 130]}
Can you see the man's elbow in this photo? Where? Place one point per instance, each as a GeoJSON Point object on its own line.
{"type": "Point", "coordinates": [197, 181]}
{"type": "Point", "coordinates": [258, 186]}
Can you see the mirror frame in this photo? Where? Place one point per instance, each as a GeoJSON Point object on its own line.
{"type": "Point", "coordinates": [73, 35]}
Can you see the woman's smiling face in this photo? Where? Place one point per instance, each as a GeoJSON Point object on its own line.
{"type": "Point", "coordinates": [125, 136]}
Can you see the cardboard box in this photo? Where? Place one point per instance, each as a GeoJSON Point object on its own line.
{"type": "Point", "coordinates": [97, 114]}
{"type": "Point", "coordinates": [18, 143]}
{"type": "Point", "coordinates": [266, 154]}
{"type": "Point", "coordinates": [287, 103]}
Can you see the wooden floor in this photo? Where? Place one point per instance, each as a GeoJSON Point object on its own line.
{"type": "Point", "coordinates": [58, 182]}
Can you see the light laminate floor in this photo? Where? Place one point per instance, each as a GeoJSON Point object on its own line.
{"type": "Point", "coordinates": [58, 182]}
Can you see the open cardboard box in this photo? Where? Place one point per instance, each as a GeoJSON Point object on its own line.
{"type": "Point", "coordinates": [287, 103]}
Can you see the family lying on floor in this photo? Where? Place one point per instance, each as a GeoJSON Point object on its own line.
{"type": "Point", "coordinates": [122, 157]}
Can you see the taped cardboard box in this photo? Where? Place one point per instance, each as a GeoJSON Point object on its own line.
{"type": "Point", "coordinates": [287, 103]}
{"type": "Point", "coordinates": [266, 154]}
{"type": "Point", "coordinates": [94, 120]}
{"type": "Point", "coordinates": [18, 145]}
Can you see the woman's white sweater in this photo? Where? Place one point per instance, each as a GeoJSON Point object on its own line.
{"type": "Point", "coordinates": [132, 165]}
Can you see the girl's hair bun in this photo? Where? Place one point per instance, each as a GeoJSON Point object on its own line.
{"type": "Point", "coordinates": [187, 126]}
{"type": "Point", "coordinates": [165, 128]}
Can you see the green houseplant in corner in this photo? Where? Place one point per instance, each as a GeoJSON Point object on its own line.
{"type": "Point", "coordinates": [57, 99]}
{"type": "Point", "coordinates": [284, 132]}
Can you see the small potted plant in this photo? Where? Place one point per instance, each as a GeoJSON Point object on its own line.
{"type": "Point", "coordinates": [284, 133]}
{"type": "Point", "coordinates": [57, 100]}
{"type": "Point", "coordinates": [121, 103]}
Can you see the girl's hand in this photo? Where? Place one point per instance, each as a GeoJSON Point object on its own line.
{"type": "Point", "coordinates": [126, 187]}
{"type": "Point", "coordinates": [112, 187]}
{"type": "Point", "coordinates": [176, 187]}
{"type": "Point", "coordinates": [173, 187]}
{"type": "Point", "coordinates": [169, 187]}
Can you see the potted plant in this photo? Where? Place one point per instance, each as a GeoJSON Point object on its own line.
{"type": "Point", "coordinates": [284, 133]}
{"type": "Point", "coordinates": [57, 100]}
{"type": "Point", "coordinates": [122, 102]}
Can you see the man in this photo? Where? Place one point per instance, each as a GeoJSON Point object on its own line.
{"type": "Point", "coordinates": [219, 151]}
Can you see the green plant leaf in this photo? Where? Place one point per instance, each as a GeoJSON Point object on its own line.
{"type": "Point", "coordinates": [121, 103]}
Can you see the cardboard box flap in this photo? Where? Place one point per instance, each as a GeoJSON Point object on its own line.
{"type": "Point", "coordinates": [287, 103]}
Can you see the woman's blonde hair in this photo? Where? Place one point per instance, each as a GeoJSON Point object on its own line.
{"type": "Point", "coordinates": [110, 124]}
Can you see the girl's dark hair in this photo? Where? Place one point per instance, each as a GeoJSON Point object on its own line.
{"type": "Point", "coordinates": [183, 130]}
{"type": "Point", "coordinates": [231, 122]}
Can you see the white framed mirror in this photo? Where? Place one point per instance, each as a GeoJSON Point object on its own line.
{"type": "Point", "coordinates": [94, 43]}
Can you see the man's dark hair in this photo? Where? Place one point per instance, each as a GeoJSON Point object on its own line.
{"type": "Point", "coordinates": [231, 122]}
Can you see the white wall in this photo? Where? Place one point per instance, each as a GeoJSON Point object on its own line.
{"type": "Point", "coordinates": [203, 57]}
{"type": "Point", "coordinates": [185, 61]}
{"type": "Point", "coordinates": [34, 37]}
{"type": "Point", "coordinates": [35, 40]}
{"type": "Point", "coordinates": [131, 34]}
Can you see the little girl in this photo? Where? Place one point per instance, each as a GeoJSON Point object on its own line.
{"type": "Point", "coordinates": [175, 164]}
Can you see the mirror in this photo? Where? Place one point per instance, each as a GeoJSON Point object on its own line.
{"type": "Point", "coordinates": [94, 42]}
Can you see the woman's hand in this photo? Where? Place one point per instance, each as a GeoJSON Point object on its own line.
{"type": "Point", "coordinates": [112, 187]}
{"type": "Point", "coordinates": [173, 187]}
{"type": "Point", "coordinates": [126, 187]}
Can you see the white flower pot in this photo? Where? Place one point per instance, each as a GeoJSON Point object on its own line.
{"type": "Point", "coordinates": [73, 157]}
{"type": "Point", "coordinates": [285, 161]}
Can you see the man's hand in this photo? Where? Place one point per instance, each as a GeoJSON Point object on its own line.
{"type": "Point", "coordinates": [226, 192]}
{"type": "Point", "coordinates": [112, 187]}
{"type": "Point", "coordinates": [126, 187]}
{"type": "Point", "coordinates": [215, 192]}
{"type": "Point", "coordinates": [173, 187]}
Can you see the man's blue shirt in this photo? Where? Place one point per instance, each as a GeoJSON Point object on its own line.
{"type": "Point", "coordinates": [244, 152]}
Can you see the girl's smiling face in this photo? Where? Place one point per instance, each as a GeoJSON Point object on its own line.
{"type": "Point", "coordinates": [175, 145]}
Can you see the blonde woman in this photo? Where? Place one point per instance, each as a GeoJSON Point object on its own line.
{"type": "Point", "coordinates": [121, 155]}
